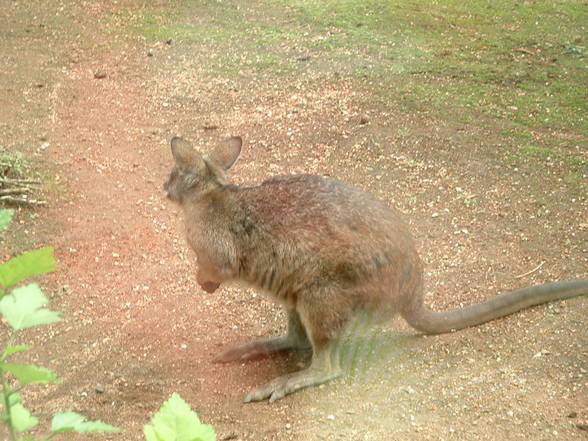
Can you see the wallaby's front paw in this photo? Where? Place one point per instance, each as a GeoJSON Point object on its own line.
{"type": "Point", "coordinates": [209, 287]}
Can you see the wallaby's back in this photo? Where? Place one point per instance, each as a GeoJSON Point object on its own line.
{"type": "Point", "coordinates": [303, 230]}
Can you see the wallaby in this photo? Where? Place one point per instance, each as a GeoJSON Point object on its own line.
{"type": "Point", "coordinates": [323, 249]}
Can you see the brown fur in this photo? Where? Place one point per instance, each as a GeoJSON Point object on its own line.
{"type": "Point", "coordinates": [321, 248]}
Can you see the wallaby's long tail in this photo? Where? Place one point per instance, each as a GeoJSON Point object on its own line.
{"type": "Point", "coordinates": [432, 322]}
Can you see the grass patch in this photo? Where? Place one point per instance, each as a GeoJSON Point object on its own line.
{"type": "Point", "coordinates": [504, 59]}
{"type": "Point", "coordinates": [522, 63]}
{"type": "Point", "coordinates": [528, 153]}
{"type": "Point", "coordinates": [14, 165]}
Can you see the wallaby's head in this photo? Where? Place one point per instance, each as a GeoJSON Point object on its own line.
{"type": "Point", "coordinates": [195, 172]}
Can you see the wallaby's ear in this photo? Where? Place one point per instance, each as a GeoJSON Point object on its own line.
{"type": "Point", "coordinates": [226, 154]}
{"type": "Point", "coordinates": [181, 150]}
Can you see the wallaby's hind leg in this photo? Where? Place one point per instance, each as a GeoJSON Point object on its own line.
{"type": "Point", "coordinates": [324, 321]}
{"type": "Point", "coordinates": [324, 367]}
{"type": "Point", "coordinates": [296, 339]}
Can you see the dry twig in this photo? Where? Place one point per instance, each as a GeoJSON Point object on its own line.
{"type": "Point", "coordinates": [8, 191]}
{"type": "Point", "coordinates": [530, 272]}
{"type": "Point", "coordinates": [19, 201]}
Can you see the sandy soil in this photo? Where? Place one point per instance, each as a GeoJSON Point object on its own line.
{"type": "Point", "coordinates": [136, 325]}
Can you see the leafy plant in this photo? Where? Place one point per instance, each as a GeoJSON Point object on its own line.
{"type": "Point", "coordinates": [175, 421]}
{"type": "Point", "coordinates": [22, 308]}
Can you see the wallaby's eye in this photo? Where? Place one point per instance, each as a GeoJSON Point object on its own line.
{"type": "Point", "coordinates": [174, 174]}
{"type": "Point", "coordinates": [190, 178]}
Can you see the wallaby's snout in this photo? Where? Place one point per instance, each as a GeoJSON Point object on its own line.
{"type": "Point", "coordinates": [168, 184]}
{"type": "Point", "coordinates": [169, 187]}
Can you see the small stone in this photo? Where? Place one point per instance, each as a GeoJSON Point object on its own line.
{"type": "Point", "coordinates": [99, 74]}
{"type": "Point", "coordinates": [100, 389]}
{"type": "Point", "coordinates": [168, 41]}
{"type": "Point", "coordinates": [572, 414]}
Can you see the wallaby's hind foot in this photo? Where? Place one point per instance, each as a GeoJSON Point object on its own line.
{"type": "Point", "coordinates": [324, 368]}
{"type": "Point", "coordinates": [287, 384]}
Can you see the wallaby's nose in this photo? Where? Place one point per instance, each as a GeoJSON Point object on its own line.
{"type": "Point", "coordinates": [166, 189]}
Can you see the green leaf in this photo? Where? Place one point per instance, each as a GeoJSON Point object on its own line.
{"type": "Point", "coordinates": [26, 265]}
{"type": "Point", "coordinates": [66, 422]}
{"type": "Point", "coordinates": [14, 399]}
{"type": "Point", "coordinates": [22, 420]}
{"type": "Point", "coordinates": [175, 421]}
{"type": "Point", "coordinates": [5, 219]}
{"type": "Point", "coordinates": [22, 308]}
{"type": "Point", "coordinates": [14, 349]}
{"type": "Point", "coordinates": [74, 422]}
{"type": "Point", "coordinates": [28, 373]}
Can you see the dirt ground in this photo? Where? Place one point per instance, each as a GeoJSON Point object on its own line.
{"type": "Point", "coordinates": [99, 115]}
